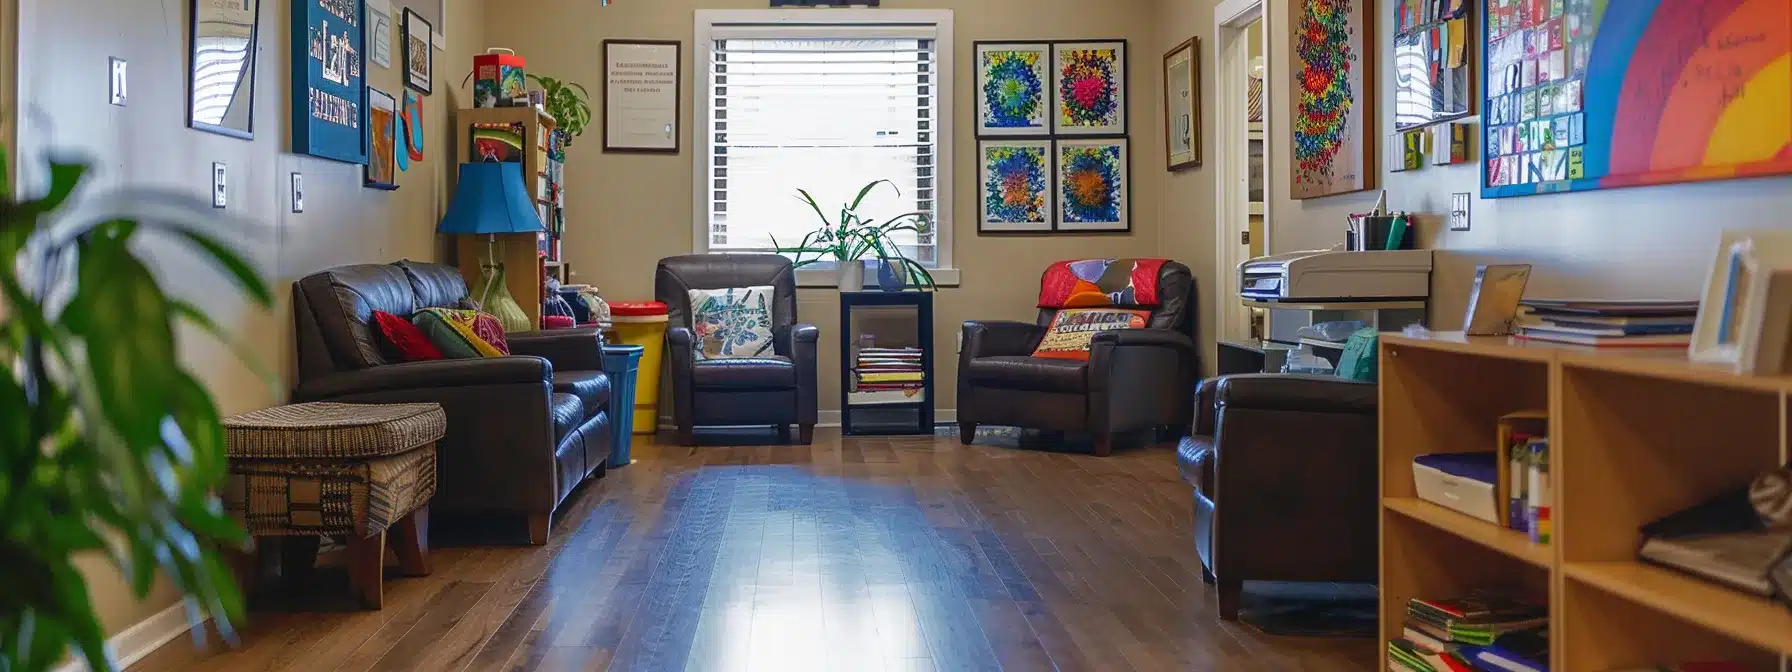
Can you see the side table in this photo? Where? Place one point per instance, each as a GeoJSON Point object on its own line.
{"type": "Point", "coordinates": [886, 370]}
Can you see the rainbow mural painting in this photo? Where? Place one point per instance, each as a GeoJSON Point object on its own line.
{"type": "Point", "coordinates": [1599, 94]}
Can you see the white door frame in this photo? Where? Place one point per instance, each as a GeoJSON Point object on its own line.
{"type": "Point", "coordinates": [1231, 20]}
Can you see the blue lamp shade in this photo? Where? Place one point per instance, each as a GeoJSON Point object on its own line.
{"type": "Point", "coordinates": [491, 198]}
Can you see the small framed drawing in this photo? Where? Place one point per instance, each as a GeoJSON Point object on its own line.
{"type": "Point", "coordinates": [1089, 88]}
{"type": "Point", "coordinates": [419, 59]}
{"type": "Point", "coordinates": [1014, 89]}
{"type": "Point", "coordinates": [1182, 105]}
{"type": "Point", "coordinates": [382, 141]}
{"type": "Point", "coordinates": [1014, 179]}
{"type": "Point", "coordinates": [1094, 185]}
{"type": "Point", "coordinates": [1745, 316]}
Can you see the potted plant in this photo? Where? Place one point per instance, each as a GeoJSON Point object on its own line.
{"type": "Point", "coordinates": [568, 102]}
{"type": "Point", "coordinates": [848, 240]}
{"type": "Point", "coordinates": [108, 445]}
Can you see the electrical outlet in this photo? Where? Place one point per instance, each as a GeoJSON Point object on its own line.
{"type": "Point", "coordinates": [298, 193]}
{"type": "Point", "coordinates": [220, 191]}
{"type": "Point", "coordinates": [119, 83]}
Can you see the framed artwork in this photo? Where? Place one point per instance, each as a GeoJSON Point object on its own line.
{"type": "Point", "coordinates": [496, 142]}
{"type": "Point", "coordinates": [412, 118]}
{"type": "Point", "coordinates": [1014, 178]}
{"type": "Point", "coordinates": [382, 141]}
{"type": "Point", "coordinates": [419, 59]}
{"type": "Point", "coordinates": [327, 75]}
{"type": "Point", "coordinates": [1333, 97]}
{"type": "Point", "coordinates": [1182, 105]}
{"type": "Point", "coordinates": [1094, 185]}
{"type": "Point", "coordinates": [643, 92]}
{"type": "Point", "coordinates": [1089, 88]}
{"type": "Point", "coordinates": [1583, 95]}
{"type": "Point", "coordinates": [1434, 76]}
{"type": "Point", "coordinates": [221, 66]}
{"type": "Point", "coordinates": [379, 36]}
{"type": "Point", "coordinates": [1014, 89]}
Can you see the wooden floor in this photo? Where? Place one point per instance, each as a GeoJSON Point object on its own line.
{"type": "Point", "coordinates": [855, 554]}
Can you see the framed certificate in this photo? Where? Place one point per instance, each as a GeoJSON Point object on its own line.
{"type": "Point", "coordinates": [642, 96]}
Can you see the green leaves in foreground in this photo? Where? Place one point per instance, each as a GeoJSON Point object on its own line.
{"type": "Point", "coordinates": [106, 443]}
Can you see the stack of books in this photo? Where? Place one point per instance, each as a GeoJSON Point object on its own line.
{"type": "Point", "coordinates": [896, 373]}
{"type": "Point", "coordinates": [1608, 324]}
{"type": "Point", "coordinates": [1483, 631]}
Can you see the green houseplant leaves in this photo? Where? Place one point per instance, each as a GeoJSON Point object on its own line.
{"type": "Point", "coordinates": [568, 102]}
{"type": "Point", "coordinates": [107, 444]}
{"type": "Point", "coordinates": [851, 236]}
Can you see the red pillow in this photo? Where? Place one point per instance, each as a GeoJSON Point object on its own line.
{"type": "Point", "coordinates": [489, 329]}
{"type": "Point", "coordinates": [406, 339]}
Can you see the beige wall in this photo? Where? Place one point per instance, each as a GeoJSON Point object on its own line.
{"type": "Point", "coordinates": [1186, 210]}
{"type": "Point", "coordinates": [625, 212]}
{"type": "Point", "coordinates": [1644, 242]}
{"type": "Point", "coordinates": [62, 88]}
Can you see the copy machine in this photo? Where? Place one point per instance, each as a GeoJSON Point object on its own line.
{"type": "Point", "coordinates": [1388, 289]}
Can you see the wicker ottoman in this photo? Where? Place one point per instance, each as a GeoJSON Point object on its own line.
{"type": "Point", "coordinates": [307, 471]}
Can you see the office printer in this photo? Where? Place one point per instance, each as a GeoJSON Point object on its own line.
{"type": "Point", "coordinates": [1321, 275]}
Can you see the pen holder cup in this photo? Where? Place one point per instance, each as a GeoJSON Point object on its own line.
{"type": "Point", "coordinates": [1376, 234]}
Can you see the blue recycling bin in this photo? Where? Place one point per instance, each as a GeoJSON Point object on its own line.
{"type": "Point", "coordinates": [621, 364]}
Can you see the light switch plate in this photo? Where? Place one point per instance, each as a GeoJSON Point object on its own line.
{"type": "Point", "coordinates": [220, 191]}
{"type": "Point", "coordinates": [298, 193]}
{"type": "Point", "coordinates": [119, 82]}
{"type": "Point", "coordinates": [1459, 206]}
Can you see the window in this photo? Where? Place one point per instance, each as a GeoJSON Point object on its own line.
{"type": "Point", "coordinates": [827, 101]}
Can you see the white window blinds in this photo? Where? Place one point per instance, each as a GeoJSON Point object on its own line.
{"type": "Point", "coordinates": [822, 108]}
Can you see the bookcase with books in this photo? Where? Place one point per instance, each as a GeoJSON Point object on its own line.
{"type": "Point", "coordinates": [521, 135]}
{"type": "Point", "coordinates": [886, 345]}
{"type": "Point", "coordinates": [1633, 436]}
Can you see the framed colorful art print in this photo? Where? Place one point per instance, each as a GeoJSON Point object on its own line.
{"type": "Point", "coordinates": [1333, 92]}
{"type": "Point", "coordinates": [1589, 94]}
{"type": "Point", "coordinates": [1094, 185]}
{"type": "Point", "coordinates": [327, 79]}
{"type": "Point", "coordinates": [1014, 179]}
{"type": "Point", "coordinates": [1014, 89]}
{"type": "Point", "coordinates": [1089, 88]}
{"type": "Point", "coordinates": [382, 141]}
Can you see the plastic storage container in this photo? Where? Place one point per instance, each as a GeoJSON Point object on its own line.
{"type": "Point", "coordinates": [643, 323]}
{"type": "Point", "coordinates": [622, 364]}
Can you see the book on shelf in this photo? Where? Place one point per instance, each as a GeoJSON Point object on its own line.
{"type": "Point", "coordinates": [1537, 490]}
{"type": "Point", "coordinates": [1426, 637]}
{"type": "Point", "coordinates": [1518, 491]}
{"type": "Point", "coordinates": [1652, 341]}
{"type": "Point", "coordinates": [1528, 316]}
{"type": "Point", "coordinates": [904, 377]}
{"type": "Point", "coordinates": [1583, 329]}
{"type": "Point", "coordinates": [1478, 619]}
{"type": "Point", "coordinates": [1524, 651]}
{"type": "Point", "coordinates": [1612, 308]}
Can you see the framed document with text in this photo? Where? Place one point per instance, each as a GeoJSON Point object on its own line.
{"type": "Point", "coordinates": [642, 96]}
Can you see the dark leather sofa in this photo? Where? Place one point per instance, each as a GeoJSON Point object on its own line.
{"type": "Point", "coordinates": [1284, 469]}
{"type": "Point", "coordinates": [523, 431]}
{"type": "Point", "coordinates": [780, 390]}
{"type": "Point", "coordinates": [1135, 378]}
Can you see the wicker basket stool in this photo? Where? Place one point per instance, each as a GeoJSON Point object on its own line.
{"type": "Point", "coordinates": [306, 471]}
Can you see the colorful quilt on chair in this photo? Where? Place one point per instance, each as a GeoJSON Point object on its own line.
{"type": "Point", "coordinates": [1101, 283]}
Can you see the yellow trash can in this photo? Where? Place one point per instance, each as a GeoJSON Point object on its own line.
{"type": "Point", "coordinates": [643, 323]}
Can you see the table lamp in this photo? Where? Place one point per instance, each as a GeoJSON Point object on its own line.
{"type": "Point", "coordinates": [490, 199]}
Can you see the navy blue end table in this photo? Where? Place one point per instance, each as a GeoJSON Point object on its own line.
{"type": "Point", "coordinates": [879, 391]}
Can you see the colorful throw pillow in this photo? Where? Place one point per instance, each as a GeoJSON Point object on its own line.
{"type": "Point", "coordinates": [732, 323]}
{"type": "Point", "coordinates": [487, 327]}
{"type": "Point", "coordinates": [452, 331]}
{"type": "Point", "coordinates": [1073, 330]}
{"type": "Point", "coordinates": [404, 342]}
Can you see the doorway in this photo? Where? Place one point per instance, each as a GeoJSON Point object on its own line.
{"type": "Point", "coordinates": [1243, 221]}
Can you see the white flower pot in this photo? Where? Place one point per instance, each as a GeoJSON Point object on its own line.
{"type": "Point", "coordinates": [852, 275]}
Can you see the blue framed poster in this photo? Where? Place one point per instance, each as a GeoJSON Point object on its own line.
{"type": "Point", "coordinates": [328, 99]}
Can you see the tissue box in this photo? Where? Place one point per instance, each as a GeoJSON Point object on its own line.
{"type": "Point", "coordinates": [498, 80]}
{"type": "Point", "coordinates": [1459, 481]}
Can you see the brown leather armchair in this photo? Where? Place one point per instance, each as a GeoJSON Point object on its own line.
{"type": "Point", "coordinates": [1134, 379]}
{"type": "Point", "coordinates": [781, 390]}
{"type": "Point", "coordinates": [1285, 475]}
{"type": "Point", "coordinates": [523, 431]}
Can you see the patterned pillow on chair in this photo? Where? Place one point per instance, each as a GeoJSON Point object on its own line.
{"type": "Point", "coordinates": [456, 332]}
{"type": "Point", "coordinates": [732, 323]}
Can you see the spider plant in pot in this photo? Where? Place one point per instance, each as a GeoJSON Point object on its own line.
{"type": "Point", "coordinates": [109, 447]}
{"type": "Point", "coordinates": [568, 103]}
{"type": "Point", "coordinates": [850, 238]}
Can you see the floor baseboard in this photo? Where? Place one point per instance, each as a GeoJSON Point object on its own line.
{"type": "Point", "coordinates": [140, 640]}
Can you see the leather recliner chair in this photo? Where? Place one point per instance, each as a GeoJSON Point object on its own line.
{"type": "Point", "coordinates": [523, 431]}
{"type": "Point", "coordinates": [1135, 378]}
{"type": "Point", "coordinates": [1286, 481]}
{"type": "Point", "coordinates": [780, 390]}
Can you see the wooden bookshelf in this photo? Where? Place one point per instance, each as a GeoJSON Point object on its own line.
{"type": "Point", "coordinates": [523, 266]}
{"type": "Point", "coordinates": [1634, 435]}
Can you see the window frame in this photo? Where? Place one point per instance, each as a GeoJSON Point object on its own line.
{"type": "Point", "coordinates": [946, 274]}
